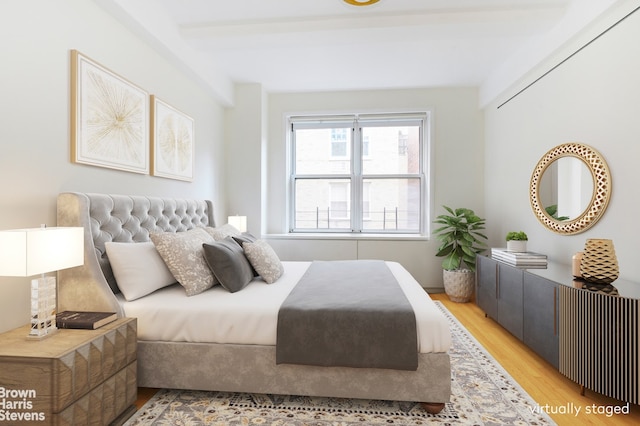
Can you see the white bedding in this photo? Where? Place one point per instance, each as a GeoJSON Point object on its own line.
{"type": "Point", "coordinates": [250, 316]}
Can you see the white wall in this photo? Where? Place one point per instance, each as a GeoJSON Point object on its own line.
{"type": "Point", "coordinates": [457, 149]}
{"type": "Point", "coordinates": [245, 136]}
{"type": "Point", "coordinates": [35, 39]}
{"type": "Point", "coordinates": [592, 98]}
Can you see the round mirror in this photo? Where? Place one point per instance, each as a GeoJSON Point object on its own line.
{"type": "Point", "coordinates": [566, 188]}
{"type": "Point", "coordinates": [570, 188]}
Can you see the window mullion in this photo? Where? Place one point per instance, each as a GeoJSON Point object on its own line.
{"type": "Point", "coordinates": [292, 180]}
{"type": "Point", "coordinates": [356, 182]}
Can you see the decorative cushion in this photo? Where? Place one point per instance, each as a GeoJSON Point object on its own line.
{"type": "Point", "coordinates": [222, 232]}
{"type": "Point", "coordinates": [183, 254]}
{"type": "Point", "coordinates": [246, 237]}
{"type": "Point", "coordinates": [138, 268]}
{"type": "Point", "coordinates": [229, 264]}
{"type": "Point", "coordinates": [264, 260]}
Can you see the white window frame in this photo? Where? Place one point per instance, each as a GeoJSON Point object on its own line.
{"type": "Point", "coordinates": [356, 177]}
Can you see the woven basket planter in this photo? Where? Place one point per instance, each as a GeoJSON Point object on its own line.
{"type": "Point", "coordinates": [599, 264]}
{"type": "Point", "coordinates": [459, 284]}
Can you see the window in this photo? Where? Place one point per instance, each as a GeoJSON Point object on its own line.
{"type": "Point", "coordinates": [358, 173]}
{"type": "Point", "coordinates": [338, 142]}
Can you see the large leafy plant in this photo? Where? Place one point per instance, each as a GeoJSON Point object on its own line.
{"type": "Point", "coordinates": [460, 237]}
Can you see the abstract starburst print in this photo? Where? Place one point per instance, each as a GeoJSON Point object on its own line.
{"type": "Point", "coordinates": [113, 120]}
{"type": "Point", "coordinates": [173, 141]}
{"type": "Point", "coordinates": [175, 144]}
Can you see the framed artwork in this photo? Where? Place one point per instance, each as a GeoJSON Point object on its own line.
{"type": "Point", "coordinates": [172, 144]}
{"type": "Point", "coordinates": [109, 118]}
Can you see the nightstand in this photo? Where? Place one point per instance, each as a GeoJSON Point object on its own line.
{"type": "Point", "coordinates": [74, 377]}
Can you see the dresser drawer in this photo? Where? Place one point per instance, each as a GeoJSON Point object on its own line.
{"type": "Point", "coordinates": [73, 371]}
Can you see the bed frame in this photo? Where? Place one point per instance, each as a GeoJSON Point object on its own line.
{"type": "Point", "coordinates": [220, 367]}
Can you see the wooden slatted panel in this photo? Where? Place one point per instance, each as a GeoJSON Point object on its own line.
{"type": "Point", "coordinates": [599, 342]}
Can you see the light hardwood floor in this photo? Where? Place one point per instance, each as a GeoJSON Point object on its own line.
{"type": "Point", "coordinates": [541, 380]}
{"type": "Point", "coordinates": [549, 388]}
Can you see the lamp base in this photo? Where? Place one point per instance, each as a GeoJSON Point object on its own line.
{"type": "Point", "coordinates": [50, 332]}
{"type": "Point", "coordinates": [43, 308]}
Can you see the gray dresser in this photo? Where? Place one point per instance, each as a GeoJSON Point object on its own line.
{"type": "Point", "coordinates": [590, 337]}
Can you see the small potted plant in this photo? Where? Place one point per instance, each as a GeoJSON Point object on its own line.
{"type": "Point", "coordinates": [461, 241]}
{"type": "Point", "coordinates": [517, 241]}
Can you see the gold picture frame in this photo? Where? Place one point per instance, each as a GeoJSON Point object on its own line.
{"type": "Point", "coordinates": [172, 143]}
{"type": "Point", "coordinates": [109, 118]}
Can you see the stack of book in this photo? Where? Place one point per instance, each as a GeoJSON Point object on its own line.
{"type": "Point", "coordinates": [527, 259]}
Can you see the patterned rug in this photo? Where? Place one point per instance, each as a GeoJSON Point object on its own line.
{"type": "Point", "coordinates": [483, 393]}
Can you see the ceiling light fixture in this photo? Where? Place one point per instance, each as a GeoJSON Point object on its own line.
{"type": "Point", "coordinates": [361, 2]}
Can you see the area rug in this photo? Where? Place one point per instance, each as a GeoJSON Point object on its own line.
{"type": "Point", "coordinates": [483, 393]}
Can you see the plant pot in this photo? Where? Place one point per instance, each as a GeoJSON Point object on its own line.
{"type": "Point", "coordinates": [459, 284]}
{"type": "Point", "coordinates": [517, 246]}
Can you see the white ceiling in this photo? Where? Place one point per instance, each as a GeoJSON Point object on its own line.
{"type": "Point", "coordinates": [319, 45]}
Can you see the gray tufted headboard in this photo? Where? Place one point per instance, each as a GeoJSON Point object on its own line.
{"type": "Point", "coordinates": [119, 218]}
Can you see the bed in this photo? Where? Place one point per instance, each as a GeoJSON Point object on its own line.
{"type": "Point", "coordinates": [174, 355]}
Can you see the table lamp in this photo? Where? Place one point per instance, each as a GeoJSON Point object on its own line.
{"type": "Point", "coordinates": [33, 251]}
{"type": "Point", "coordinates": [238, 222]}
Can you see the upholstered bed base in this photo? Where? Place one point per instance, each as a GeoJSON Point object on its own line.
{"type": "Point", "coordinates": [252, 368]}
{"type": "Point", "coordinates": [204, 366]}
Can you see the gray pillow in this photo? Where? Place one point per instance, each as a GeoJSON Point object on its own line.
{"type": "Point", "coordinates": [245, 237]}
{"type": "Point", "coordinates": [228, 263]}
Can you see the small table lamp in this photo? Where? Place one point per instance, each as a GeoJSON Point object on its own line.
{"type": "Point", "coordinates": [238, 222]}
{"type": "Point", "coordinates": [27, 252]}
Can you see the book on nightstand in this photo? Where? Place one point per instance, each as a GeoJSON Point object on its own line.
{"type": "Point", "coordinates": [84, 320]}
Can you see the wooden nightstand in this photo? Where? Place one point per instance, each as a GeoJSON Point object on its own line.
{"type": "Point", "coordinates": [74, 377]}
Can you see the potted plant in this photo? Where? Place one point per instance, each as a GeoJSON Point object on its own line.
{"type": "Point", "coordinates": [460, 242]}
{"type": "Point", "coordinates": [517, 241]}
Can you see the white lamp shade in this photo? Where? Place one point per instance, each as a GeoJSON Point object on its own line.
{"type": "Point", "coordinates": [26, 252]}
{"type": "Point", "coordinates": [238, 222]}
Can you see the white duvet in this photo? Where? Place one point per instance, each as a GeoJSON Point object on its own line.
{"type": "Point", "coordinates": [250, 316]}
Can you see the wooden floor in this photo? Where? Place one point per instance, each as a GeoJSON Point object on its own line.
{"type": "Point", "coordinates": [550, 389]}
{"type": "Point", "coordinates": [542, 381]}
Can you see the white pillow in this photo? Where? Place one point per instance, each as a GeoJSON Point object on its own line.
{"type": "Point", "coordinates": [138, 268]}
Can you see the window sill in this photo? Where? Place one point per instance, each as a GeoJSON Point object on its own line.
{"type": "Point", "coordinates": [345, 236]}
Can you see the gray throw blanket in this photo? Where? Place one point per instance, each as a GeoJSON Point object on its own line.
{"type": "Point", "coordinates": [348, 313]}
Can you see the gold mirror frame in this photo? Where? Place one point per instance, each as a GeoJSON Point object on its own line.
{"type": "Point", "coordinates": [601, 191]}
{"type": "Point", "coordinates": [361, 2]}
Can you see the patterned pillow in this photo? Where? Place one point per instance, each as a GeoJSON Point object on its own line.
{"type": "Point", "coordinates": [264, 260]}
{"type": "Point", "coordinates": [184, 256]}
{"type": "Point", "coordinates": [221, 232]}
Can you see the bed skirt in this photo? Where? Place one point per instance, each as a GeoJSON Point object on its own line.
{"type": "Point", "coordinates": [252, 368]}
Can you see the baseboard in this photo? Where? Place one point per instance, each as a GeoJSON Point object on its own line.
{"type": "Point", "coordinates": [122, 418]}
